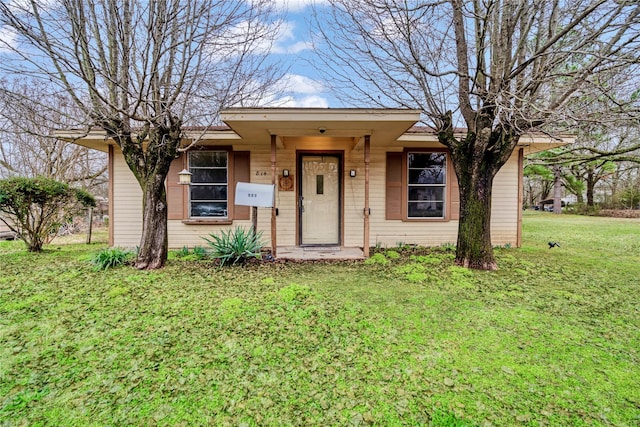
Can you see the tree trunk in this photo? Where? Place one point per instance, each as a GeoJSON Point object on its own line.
{"type": "Point", "coordinates": [557, 190]}
{"type": "Point", "coordinates": [476, 160]}
{"type": "Point", "coordinates": [150, 167]}
{"type": "Point", "coordinates": [34, 246]}
{"type": "Point", "coordinates": [154, 241]}
{"type": "Point", "coordinates": [591, 183]}
{"type": "Point", "coordinates": [89, 224]}
{"type": "Point", "coordinates": [474, 249]}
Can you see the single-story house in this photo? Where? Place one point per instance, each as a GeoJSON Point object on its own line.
{"type": "Point", "coordinates": [344, 178]}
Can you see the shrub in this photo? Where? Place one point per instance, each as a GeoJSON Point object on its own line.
{"type": "Point", "coordinates": [295, 293]}
{"type": "Point", "coordinates": [200, 252]}
{"type": "Point", "coordinates": [110, 257]}
{"type": "Point", "coordinates": [377, 259]}
{"type": "Point", "coordinates": [186, 254]}
{"type": "Point", "coordinates": [235, 246]}
{"type": "Point", "coordinates": [34, 208]}
{"type": "Point", "coordinates": [392, 254]}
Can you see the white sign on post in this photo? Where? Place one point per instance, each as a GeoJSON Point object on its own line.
{"type": "Point", "coordinates": [260, 195]}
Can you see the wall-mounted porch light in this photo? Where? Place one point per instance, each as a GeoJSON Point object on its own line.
{"type": "Point", "coordinates": [285, 172]}
{"type": "Point", "coordinates": [185, 177]}
{"type": "Point", "coordinates": [352, 173]}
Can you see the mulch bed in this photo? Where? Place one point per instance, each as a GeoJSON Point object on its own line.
{"type": "Point", "coordinates": [620, 213]}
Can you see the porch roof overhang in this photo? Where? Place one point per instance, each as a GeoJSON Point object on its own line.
{"type": "Point", "coordinates": [532, 142]}
{"type": "Point", "coordinates": [97, 138]}
{"type": "Point", "coordinates": [258, 124]}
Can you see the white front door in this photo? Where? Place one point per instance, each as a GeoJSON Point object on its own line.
{"type": "Point", "coordinates": [320, 199]}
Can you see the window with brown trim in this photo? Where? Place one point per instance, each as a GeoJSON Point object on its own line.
{"type": "Point", "coordinates": [212, 186]}
{"type": "Point", "coordinates": [420, 185]}
{"type": "Point", "coordinates": [209, 189]}
{"type": "Point", "coordinates": [426, 184]}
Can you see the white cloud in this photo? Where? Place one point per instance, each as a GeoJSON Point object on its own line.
{"type": "Point", "coordinates": [8, 39]}
{"type": "Point", "coordinates": [286, 42]}
{"type": "Point", "coordinates": [292, 49]}
{"type": "Point", "coordinates": [297, 91]}
{"type": "Point", "coordinates": [313, 101]}
{"type": "Point", "coordinates": [298, 5]}
{"type": "Point", "coordinates": [296, 83]}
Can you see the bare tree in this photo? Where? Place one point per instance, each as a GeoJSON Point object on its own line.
{"type": "Point", "coordinates": [604, 150]}
{"type": "Point", "coordinates": [499, 68]}
{"type": "Point", "coordinates": [28, 147]}
{"type": "Point", "coordinates": [141, 70]}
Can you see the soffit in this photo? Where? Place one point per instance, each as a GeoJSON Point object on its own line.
{"type": "Point", "coordinates": [258, 124]}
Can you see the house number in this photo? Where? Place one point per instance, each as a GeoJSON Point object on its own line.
{"type": "Point", "coordinates": [261, 173]}
{"type": "Point", "coordinates": [252, 195]}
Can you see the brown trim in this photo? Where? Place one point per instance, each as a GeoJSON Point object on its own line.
{"type": "Point", "coordinates": [176, 192]}
{"type": "Point", "coordinates": [273, 209]}
{"type": "Point", "coordinates": [367, 164]}
{"type": "Point", "coordinates": [393, 185]}
{"type": "Point", "coordinates": [520, 195]}
{"type": "Point", "coordinates": [405, 184]}
{"type": "Point", "coordinates": [231, 181]}
{"type": "Point", "coordinates": [207, 222]}
{"type": "Point", "coordinates": [110, 193]}
{"type": "Point", "coordinates": [454, 200]}
{"type": "Point", "coordinates": [241, 173]}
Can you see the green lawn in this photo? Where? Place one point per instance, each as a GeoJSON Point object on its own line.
{"type": "Point", "coordinates": [551, 339]}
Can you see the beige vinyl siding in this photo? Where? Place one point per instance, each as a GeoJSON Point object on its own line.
{"type": "Point", "coordinates": [3, 227]}
{"type": "Point", "coordinates": [184, 234]}
{"type": "Point", "coordinates": [505, 204]}
{"type": "Point", "coordinates": [354, 198]}
{"type": "Point", "coordinates": [504, 218]}
{"type": "Point", "coordinates": [127, 220]}
{"type": "Point", "coordinates": [127, 203]}
{"type": "Point", "coordinates": [393, 232]}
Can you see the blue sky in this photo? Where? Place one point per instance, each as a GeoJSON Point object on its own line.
{"type": "Point", "coordinates": [303, 84]}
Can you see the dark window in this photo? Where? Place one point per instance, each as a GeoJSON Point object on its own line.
{"type": "Point", "coordinates": [208, 195]}
{"type": "Point", "coordinates": [426, 182]}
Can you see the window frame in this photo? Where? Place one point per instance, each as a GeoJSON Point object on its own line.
{"type": "Point", "coordinates": [396, 186]}
{"type": "Point", "coordinates": [229, 175]}
{"type": "Point", "coordinates": [407, 185]}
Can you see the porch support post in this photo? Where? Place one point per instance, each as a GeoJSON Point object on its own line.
{"type": "Point", "coordinates": [273, 209]}
{"type": "Point", "coordinates": [367, 211]}
{"type": "Point", "coordinates": [520, 195]}
{"type": "Point", "coordinates": [110, 190]}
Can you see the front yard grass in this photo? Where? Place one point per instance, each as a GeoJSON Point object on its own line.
{"type": "Point", "coordinates": [552, 338]}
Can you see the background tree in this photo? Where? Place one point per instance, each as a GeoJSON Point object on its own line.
{"type": "Point", "coordinates": [607, 150]}
{"type": "Point", "coordinates": [499, 68]}
{"type": "Point", "coordinates": [141, 70]}
{"type": "Point", "coordinates": [28, 147]}
{"type": "Point", "coordinates": [34, 208]}
{"type": "Point", "coordinates": [538, 182]}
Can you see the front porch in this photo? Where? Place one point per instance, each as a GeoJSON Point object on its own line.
{"type": "Point", "coordinates": [320, 168]}
{"type": "Point", "coordinates": [319, 253]}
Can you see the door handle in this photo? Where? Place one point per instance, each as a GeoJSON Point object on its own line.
{"type": "Point", "coordinates": [301, 204]}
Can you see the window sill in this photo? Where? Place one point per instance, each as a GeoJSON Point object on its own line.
{"type": "Point", "coordinates": [225, 221]}
{"type": "Point", "coordinates": [426, 219]}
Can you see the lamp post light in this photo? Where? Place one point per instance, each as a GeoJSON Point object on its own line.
{"type": "Point", "coordinates": [185, 177]}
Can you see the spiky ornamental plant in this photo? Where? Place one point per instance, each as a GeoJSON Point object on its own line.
{"type": "Point", "coordinates": [235, 246]}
